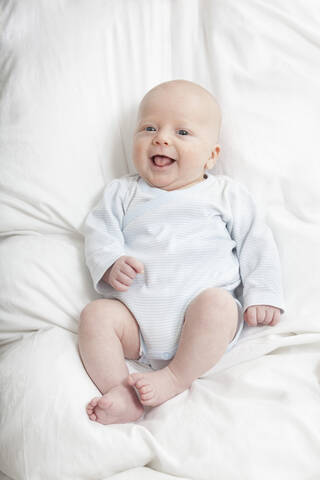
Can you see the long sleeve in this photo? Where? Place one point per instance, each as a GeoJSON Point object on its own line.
{"type": "Point", "coordinates": [104, 242]}
{"type": "Point", "coordinates": [256, 249]}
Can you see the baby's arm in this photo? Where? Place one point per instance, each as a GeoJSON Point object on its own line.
{"type": "Point", "coordinates": [122, 273]}
{"type": "Point", "coordinates": [258, 256]}
{"type": "Point", "coordinates": [104, 240]}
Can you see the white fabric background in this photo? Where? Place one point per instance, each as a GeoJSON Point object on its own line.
{"type": "Point", "coordinates": [72, 74]}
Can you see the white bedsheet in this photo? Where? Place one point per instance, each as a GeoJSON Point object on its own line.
{"type": "Point", "coordinates": [71, 76]}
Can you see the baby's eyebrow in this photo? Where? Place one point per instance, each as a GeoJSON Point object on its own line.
{"type": "Point", "coordinates": [144, 122]}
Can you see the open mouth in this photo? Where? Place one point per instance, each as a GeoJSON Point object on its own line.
{"type": "Point", "coordinates": [161, 161]}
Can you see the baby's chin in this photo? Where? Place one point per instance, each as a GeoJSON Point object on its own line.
{"type": "Point", "coordinates": [162, 185]}
{"type": "Point", "coordinates": [160, 181]}
{"type": "Point", "coordinates": [165, 184]}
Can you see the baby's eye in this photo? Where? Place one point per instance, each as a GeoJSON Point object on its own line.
{"type": "Point", "coordinates": [150, 129]}
{"type": "Point", "coordinates": [183, 132]}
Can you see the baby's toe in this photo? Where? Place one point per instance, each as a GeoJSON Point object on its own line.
{"type": "Point", "coordinates": [146, 389]}
{"type": "Point", "coordinates": [141, 383]}
{"type": "Point", "coordinates": [147, 400]}
{"type": "Point", "coordinates": [133, 378]}
{"type": "Point", "coordinates": [94, 402]}
{"type": "Point", "coordinates": [91, 406]}
{"type": "Point", "coordinates": [89, 410]}
{"type": "Point", "coordinates": [146, 396]}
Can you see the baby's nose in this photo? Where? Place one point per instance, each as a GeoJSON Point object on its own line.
{"type": "Point", "coordinates": [161, 142]}
{"type": "Point", "coordinates": [161, 139]}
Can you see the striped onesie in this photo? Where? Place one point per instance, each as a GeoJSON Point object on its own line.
{"type": "Point", "coordinates": [206, 235]}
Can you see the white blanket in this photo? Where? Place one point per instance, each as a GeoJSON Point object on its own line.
{"type": "Point", "coordinates": [71, 76]}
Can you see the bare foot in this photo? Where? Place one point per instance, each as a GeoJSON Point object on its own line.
{"type": "Point", "coordinates": [119, 405]}
{"type": "Point", "coordinates": [156, 387]}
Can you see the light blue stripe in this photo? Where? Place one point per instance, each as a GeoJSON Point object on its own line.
{"type": "Point", "coordinates": [141, 210]}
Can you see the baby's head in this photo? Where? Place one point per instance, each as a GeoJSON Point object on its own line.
{"type": "Point", "coordinates": [176, 138]}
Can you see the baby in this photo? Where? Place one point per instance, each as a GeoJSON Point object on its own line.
{"type": "Point", "coordinates": [180, 256]}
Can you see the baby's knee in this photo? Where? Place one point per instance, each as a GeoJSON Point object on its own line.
{"type": "Point", "coordinates": [96, 314]}
{"type": "Point", "coordinates": [91, 310]}
{"type": "Point", "coordinates": [214, 298]}
{"type": "Point", "coordinates": [213, 308]}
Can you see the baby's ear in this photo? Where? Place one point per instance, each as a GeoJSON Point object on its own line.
{"type": "Point", "coordinates": [214, 157]}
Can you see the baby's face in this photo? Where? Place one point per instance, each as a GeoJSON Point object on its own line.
{"type": "Point", "coordinates": [176, 135]}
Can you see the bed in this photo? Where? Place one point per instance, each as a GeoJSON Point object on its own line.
{"type": "Point", "coordinates": [71, 76]}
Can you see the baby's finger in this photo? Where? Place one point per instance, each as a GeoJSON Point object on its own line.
{"type": "Point", "coordinates": [127, 270]}
{"type": "Point", "coordinates": [123, 278]}
{"type": "Point", "coordinates": [276, 318]}
{"type": "Point", "coordinates": [118, 286]}
{"type": "Point", "coordinates": [250, 317]}
{"type": "Point", "coordinates": [135, 264]}
{"type": "Point", "coordinates": [261, 313]}
{"type": "Point", "coordinates": [268, 316]}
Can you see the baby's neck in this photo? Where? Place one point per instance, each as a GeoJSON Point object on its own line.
{"type": "Point", "coordinates": [182, 187]}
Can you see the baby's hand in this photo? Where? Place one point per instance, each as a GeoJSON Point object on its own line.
{"type": "Point", "coordinates": [262, 315]}
{"type": "Point", "coordinates": [122, 273]}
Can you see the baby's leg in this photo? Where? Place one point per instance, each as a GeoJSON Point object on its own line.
{"type": "Point", "coordinates": [210, 324]}
{"type": "Point", "coordinates": [108, 332]}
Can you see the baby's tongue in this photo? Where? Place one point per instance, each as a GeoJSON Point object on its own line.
{"type": "Point", "coordinates": [161, 161]}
